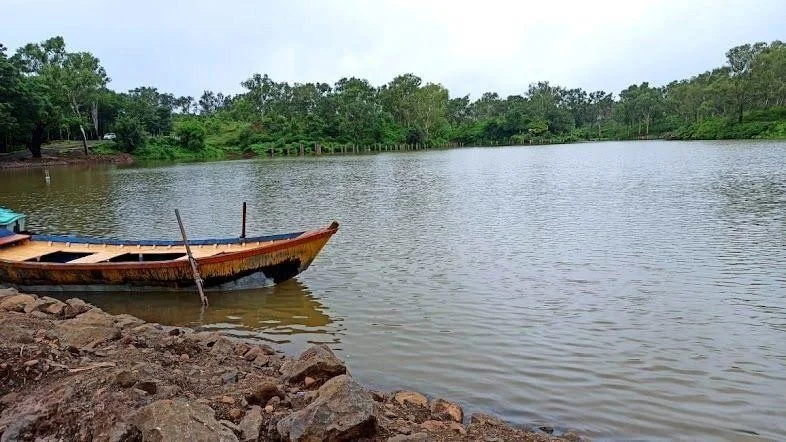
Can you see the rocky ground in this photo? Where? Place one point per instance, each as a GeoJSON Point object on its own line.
{"type": "Point", "coordinates": [69, 371]}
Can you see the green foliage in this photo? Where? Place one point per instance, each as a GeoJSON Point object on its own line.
{"type": "Point", "coordinates": [130, 133]}
{"type": "Point", "coordinates": [727, 129]}
{"type": "Point", "coordinates": [105, 148]}
{"type": "Point", "coordinates": [191, 135]}
{"type": "Point", "coordinates": [46, 91]}
{"type": "Point", "coordinates": [170, 148]}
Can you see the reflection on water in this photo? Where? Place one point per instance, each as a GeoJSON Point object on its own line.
{"type": "Point", "coordinates": [286, 314]}
{"type": "Point", "coordinates": [631, 290]}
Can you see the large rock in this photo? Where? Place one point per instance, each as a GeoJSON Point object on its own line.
{"type": "Point", "coordinates": [167, 420]}
{"type": "Point", "coordinates": [43, 303]}
{"type": "Point", "coordinates": [447, 410]}
{"type": "Point", "coordinates": [318, 362]}
{"type": "Point", "coordinates": [55, 308]}
{"type": "Point", "coordinates": [17, 303]}
{"type": "Point", "coordinates": [411, 397]}
{"type": "Point", "coordinates": [344, 410]}
{"type": "Point", "coordinates": [8, 292]}
{"type": "Point", "coordinates": [91, 327]}
{"type": "Point", "coordinates": [74, 307]}
{"type": "Point", "coordinates": [251, 424]}
{"type": "Point", "coordinates": [264, 390]}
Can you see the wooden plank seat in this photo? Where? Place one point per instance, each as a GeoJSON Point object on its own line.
{"type": "Point", "coordinates": [96, 257]}
{"type": "Point", "coordinates": [25, 252]}
{"type": "Point", "coordinates": [12, 239]}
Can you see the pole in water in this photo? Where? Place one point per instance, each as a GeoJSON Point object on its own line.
{"type": "Point", "coordinates": [191, 260]}
{"type": "Point", "coordinates": [243, 232]}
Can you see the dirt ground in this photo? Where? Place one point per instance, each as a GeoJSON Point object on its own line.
{"type": "Point", "coordinates": [70, 371]}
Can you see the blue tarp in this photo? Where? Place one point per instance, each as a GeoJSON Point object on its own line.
{"type": "Point", "coordinates": [9, 216]}
{"type": "Point", "coordinates": [120, 242]}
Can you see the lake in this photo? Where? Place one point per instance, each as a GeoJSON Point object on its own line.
{"type": "Point", "coordinates": [624, 289]}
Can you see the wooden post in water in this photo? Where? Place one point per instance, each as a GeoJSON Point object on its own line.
{"type": "Point", "coordinates": [243, 231]}
{"type": "Point", "coordinates": [197, 278]}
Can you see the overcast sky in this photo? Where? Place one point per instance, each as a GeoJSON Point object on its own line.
{"type": "Point", "coordinates": [470, 47]}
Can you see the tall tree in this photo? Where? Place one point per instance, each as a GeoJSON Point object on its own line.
{"type": "Point", "coordinates": [740, 60]}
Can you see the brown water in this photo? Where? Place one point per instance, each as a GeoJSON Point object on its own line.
{"type": "Point", "coordinates": [625, 289]}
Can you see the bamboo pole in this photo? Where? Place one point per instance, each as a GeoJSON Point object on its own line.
{"type": "Point", "coordinates": [243, 232]}
{"type": "Point", "coordinates": [197, 278]}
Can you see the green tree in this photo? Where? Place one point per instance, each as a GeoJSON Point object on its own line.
{"type": "Point", "coordinates": [191, 134]}
{"type": "Point", "coordinates": [130, 133]}
{"type": "Point", "coordinates": [741, 60]}
{"type": "Point", "coordinates": [72, 80]}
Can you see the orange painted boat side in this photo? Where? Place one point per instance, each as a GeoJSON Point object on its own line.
{"type": "Point", "coordinates": [278, 260]}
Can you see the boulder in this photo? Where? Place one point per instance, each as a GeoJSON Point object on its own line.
{"type": "Point", "coordinates": [344, 410]}
{"type": "Point", "coordinates": [39, 304]}
{"type": "Point", "coordinates": [17, 303]}
{"type": "Point", "coordinates": [261, 360]}
{"type": "Point", "coordinates": [125, 321]}
{"type": "Point", "coordinates": [179, 420]}
{"type": "Point", "coordinates": [4, 293]}
{"type": "Point", "coordinates": [251, 424]}
{"type": "Point", "coordinates": [56, 308]}
{"type": "Point", "coordinates": [230, 425]}
{"type": "Point", "coordinates": [74, 307]}
{"type": "Point", "coordinates": [222, 347]}
{"type": "Point", "coordinates": [411, 397]}
{"type": "Point", "coordinates": [91, 327]}
{"type": "Point", "coordinates": [264, 390]}
{"type": "Point", "coordinates": [447, 410]}
{"type": "Point", "coordinates": [317, 362]}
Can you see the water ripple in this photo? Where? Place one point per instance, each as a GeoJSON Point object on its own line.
{"type": "Point", "coordinates": [628, 290]}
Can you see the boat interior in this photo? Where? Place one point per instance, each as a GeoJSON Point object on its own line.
{"type": "Point", "coordinates": [72, 250]}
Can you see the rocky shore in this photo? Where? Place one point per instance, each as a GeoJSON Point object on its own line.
{"type": "Point", "coordinates": [70, 371]}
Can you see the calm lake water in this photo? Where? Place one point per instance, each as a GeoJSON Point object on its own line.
{"type": "Point", "coordinates": [623, 289]}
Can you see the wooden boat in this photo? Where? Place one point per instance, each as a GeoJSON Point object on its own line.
{"type": "Point", "coordinates": [43, 260]}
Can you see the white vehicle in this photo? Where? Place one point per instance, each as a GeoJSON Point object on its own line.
{"type": "Point", "coordinates": [109, 136]}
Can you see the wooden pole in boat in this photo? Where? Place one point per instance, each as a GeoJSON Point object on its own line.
{"type": "Point", "coordinates": [243, 232]}
{"type": "Point", "coordinates": [197, 278]}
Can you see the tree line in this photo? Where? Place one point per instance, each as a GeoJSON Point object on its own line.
{"type": "Point", "coordinates": [48, 93]}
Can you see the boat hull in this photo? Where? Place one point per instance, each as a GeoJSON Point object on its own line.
{"type": "Point", "coordinates": [277, 260]}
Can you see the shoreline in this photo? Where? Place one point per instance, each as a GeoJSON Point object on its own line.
{"type": "Point", "coordinates": [76, 158]}
{"type": "Point", "coordinates": [70, 370]}
{"type": "Point", "coordinates": [66, 160]}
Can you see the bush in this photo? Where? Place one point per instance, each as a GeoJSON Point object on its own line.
{"type": "Point", "coordinates": [191, 135]}
{"type": "Point", "coordinates": [130, 133]}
